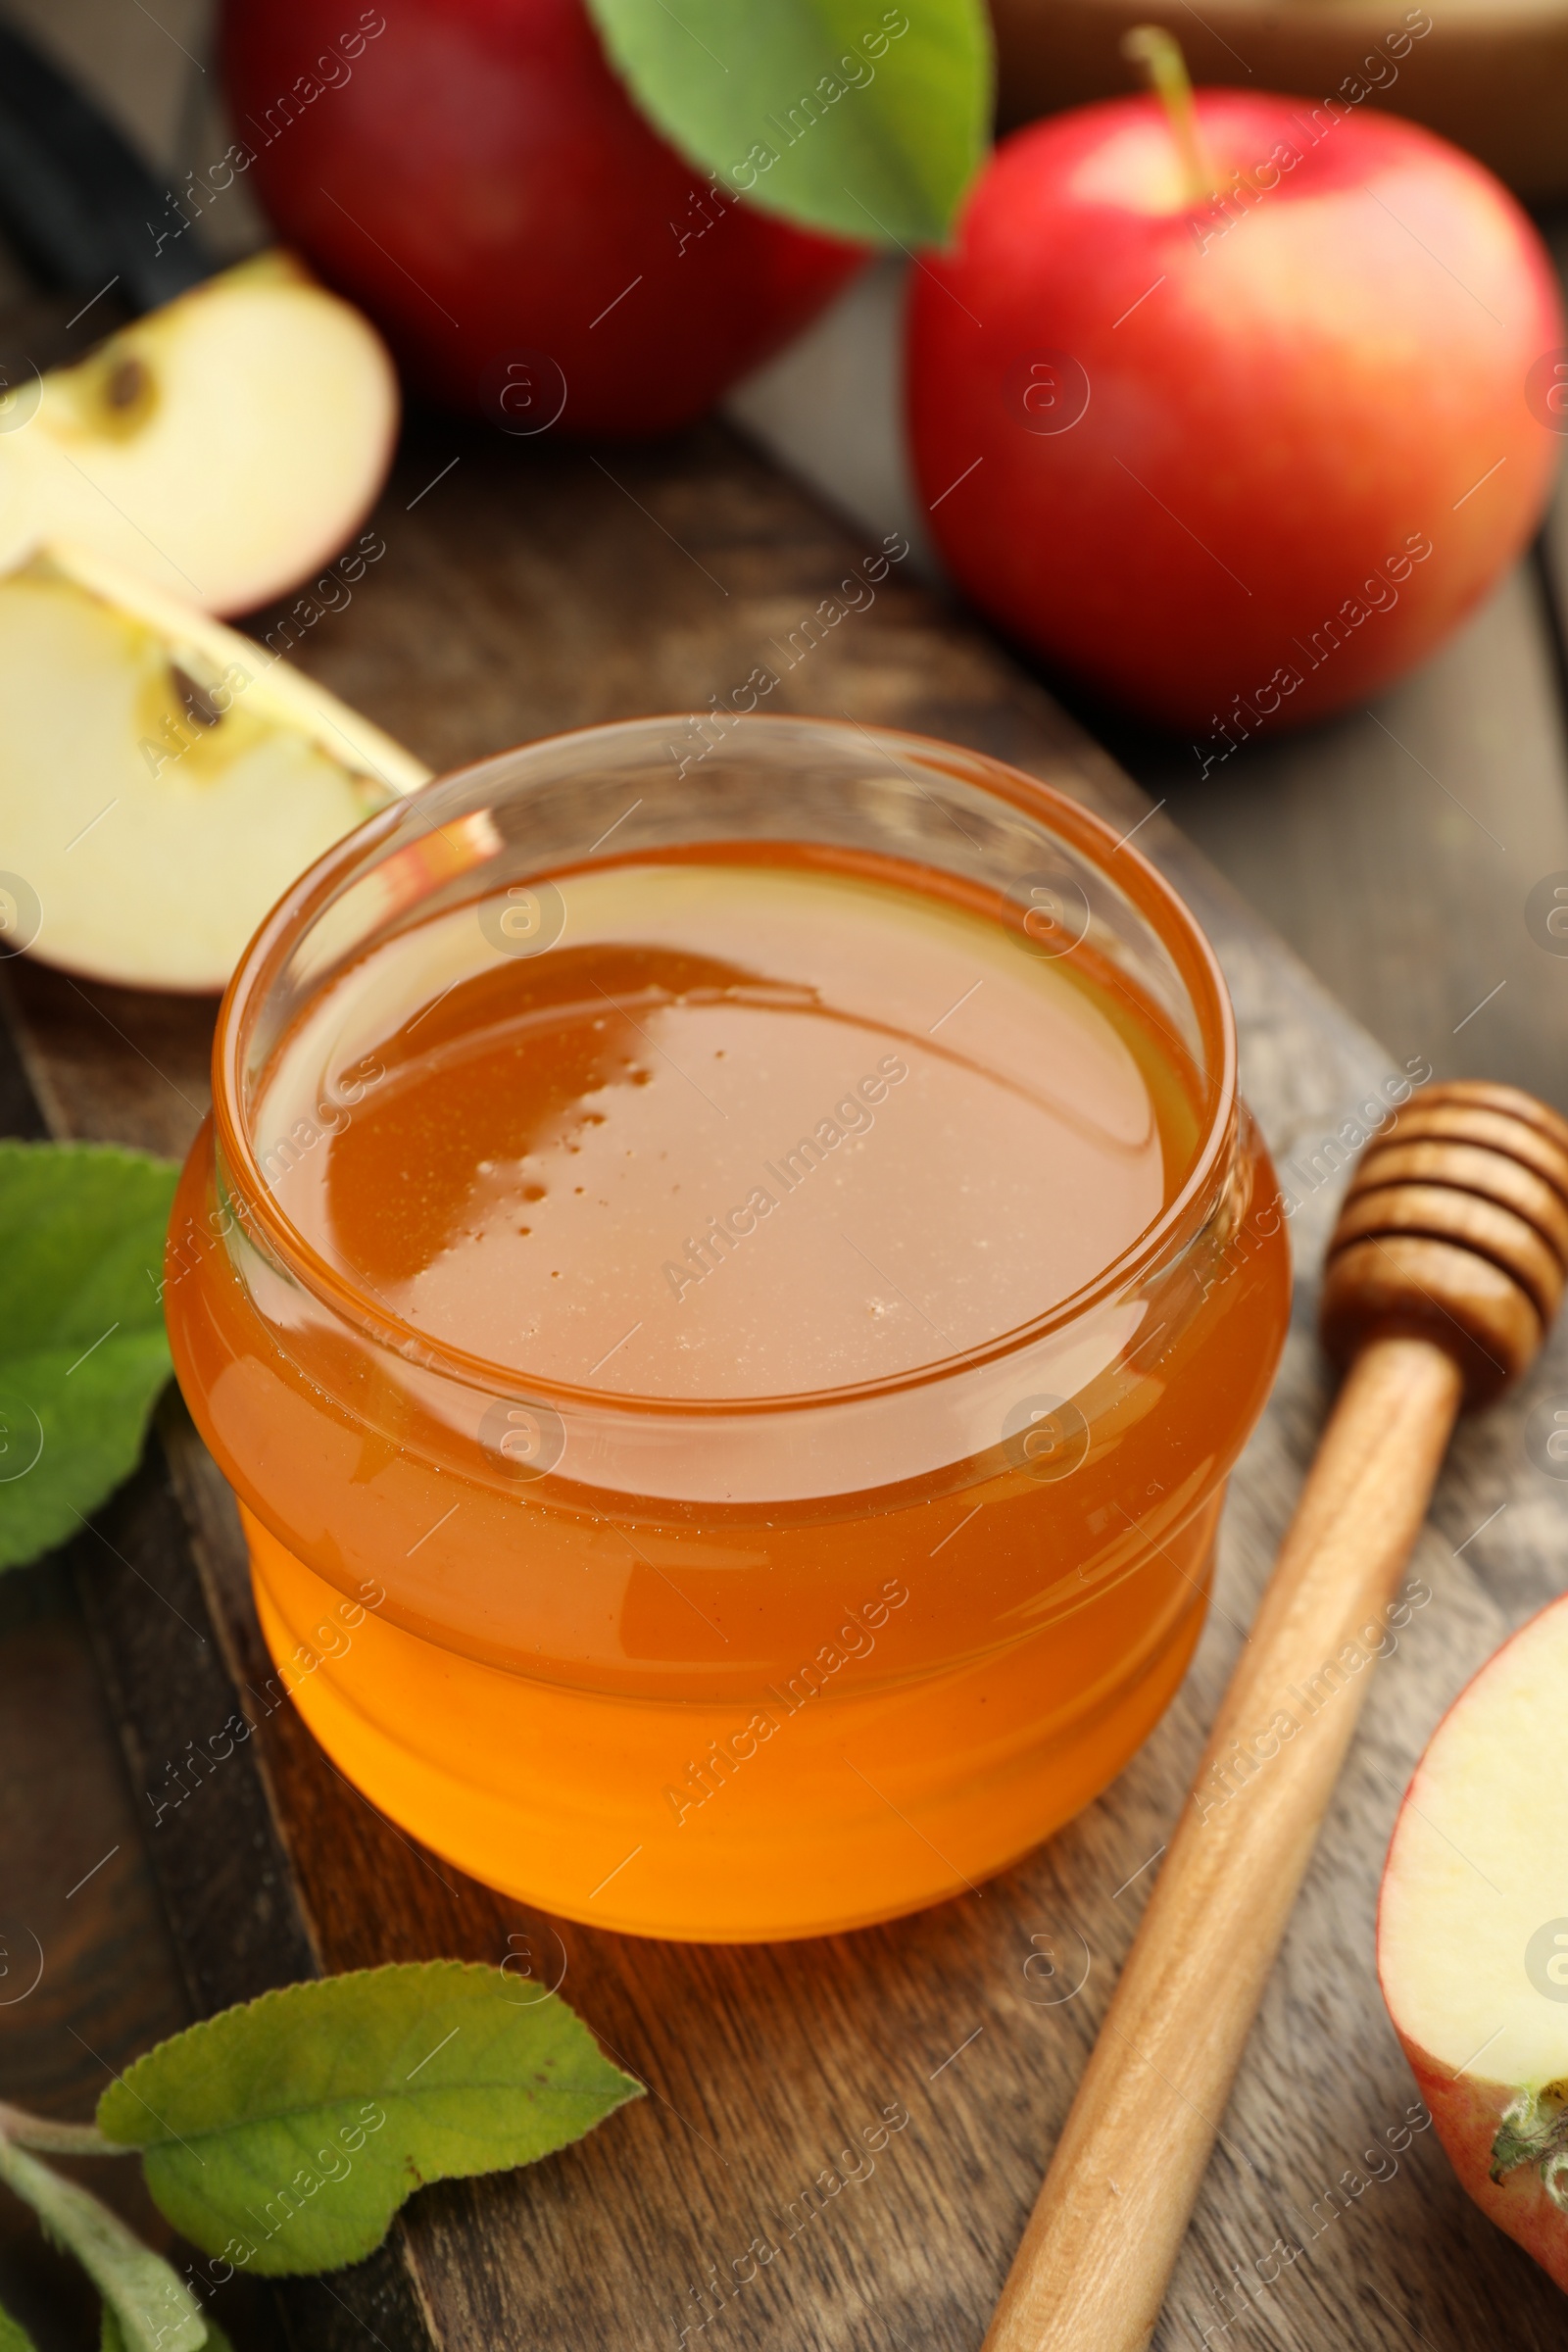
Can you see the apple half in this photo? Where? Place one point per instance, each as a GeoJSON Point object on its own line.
{"type": "Point", "coordinates": [225, 446]}
{"type": "Point", "coordinates": [163, 780]}
{"type": "Point", "coordinates": [1473, 1937]}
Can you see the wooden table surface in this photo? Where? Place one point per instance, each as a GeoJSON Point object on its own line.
{"type": "Point", "coordinates": [1394, 850]}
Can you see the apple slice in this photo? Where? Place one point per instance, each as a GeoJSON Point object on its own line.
{"type": "Point", "coordinates": [223, 446]}
{"type": "Point", "coordinates": [162, 778]}
{"type": "Point", "coordinates": [1473, 1937]}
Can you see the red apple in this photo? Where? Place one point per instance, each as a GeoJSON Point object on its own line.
{"type": "Point", "coordinates": [1238, 461]}
{"type": "Point", "coordinates": [1473, 1937]}
{"type": "Point", "coordinates": [473, 174]}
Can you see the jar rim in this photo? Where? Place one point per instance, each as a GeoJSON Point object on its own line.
{"type": "Point", "coordinates": [1158, 903]}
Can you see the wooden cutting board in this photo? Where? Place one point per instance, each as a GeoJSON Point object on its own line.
{"type": "Point", "coordinates": [524, 590]}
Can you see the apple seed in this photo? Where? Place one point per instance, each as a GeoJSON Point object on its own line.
{"type": "Point", "coordinates": [127, 383]}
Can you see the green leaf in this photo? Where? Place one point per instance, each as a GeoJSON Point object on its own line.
{"type": "Point", "coordinates": [14, 2338]}
{"type": "Point", "coordinates": [156, 2312]}
{"type": "Point", "coordinates": [844, 114]}
{"type": "Point", "coordinates": [82, 1347]}
{"type": "Point", "coordinates": [285, 2134]}
{"type": "Point", "coordinates": [112, 2336]}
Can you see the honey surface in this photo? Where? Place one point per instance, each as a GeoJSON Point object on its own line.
{"type": "Point", "coordinates": [743, 1130]}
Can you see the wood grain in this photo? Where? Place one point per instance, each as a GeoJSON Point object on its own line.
{"type": "Point", "coordinates": [1101, 2242]}
{"type": "Point", "coordinates": [530, 590]}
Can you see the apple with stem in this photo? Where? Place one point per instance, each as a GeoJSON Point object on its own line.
{"type": "Point", "coordinates": [1225, 401]}
{"type": "Point", "coordinates": [481, 181]}
{"type": "Point", "coordinates": [1473, 1937]}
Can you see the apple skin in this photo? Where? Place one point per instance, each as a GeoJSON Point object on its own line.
{"type": "Point", "coordinates": [1285, 409]}
{"type": "Point", "coordinates": [1466, 2114]}
{"type": "Point", "coordinates": [1517, 1818]}
{"type": "Point", "coordinates": [505, 193]}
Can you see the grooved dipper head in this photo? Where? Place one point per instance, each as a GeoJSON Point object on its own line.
{"type": "Point", "coordinates": [1456, 1229]}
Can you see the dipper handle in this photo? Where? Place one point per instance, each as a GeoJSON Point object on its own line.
{"type": "Point", "coordinates": [1443, 1273]}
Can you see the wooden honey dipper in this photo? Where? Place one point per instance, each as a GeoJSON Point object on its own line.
{"type": "Point", "coordinates": [1444, 1272]}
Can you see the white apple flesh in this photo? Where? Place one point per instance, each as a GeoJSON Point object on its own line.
{"type": "Point", "coordinates": [1473, 1937]}
{"type": "Point", "coordinates": [223, 446]}
{"type": "Point", "coordinates": [163, 780]}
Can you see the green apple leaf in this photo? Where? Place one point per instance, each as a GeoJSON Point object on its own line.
{"type": "Point", "coordinates": [14, 2338]}
{"type": "Point", "coordinates": [82, 1347]}
{"type": "Point", "coordinates": [112, 2336]}
{"type": "Point", "coordinates": [285, 2134]}
{"type": "Point", "coordinates": [848, 116]}
{"type": "Point", "coordinates": [155, 2310]}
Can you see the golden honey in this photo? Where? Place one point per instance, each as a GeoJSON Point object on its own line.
{"type": "Point", "coordinates": [757, 1317]}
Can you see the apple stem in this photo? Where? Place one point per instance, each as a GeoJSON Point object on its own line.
{"type": "Point", "coordinates": [25, 2131]}
{"type": "Point", "coordinates": [1534, 2129]}
{"type": "Point", "coordinates": [1158, 55]}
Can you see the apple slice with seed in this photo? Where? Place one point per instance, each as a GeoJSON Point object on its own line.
{"type": "Point", "coordinates": [1473, 1937]}
{"type": "Point", "coordinates": [225, 446]}
{"type": "Point", "coordinates": [163, 780]}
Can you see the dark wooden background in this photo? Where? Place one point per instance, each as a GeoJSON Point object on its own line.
{"type": "Point", "coordinates": [533, 590]}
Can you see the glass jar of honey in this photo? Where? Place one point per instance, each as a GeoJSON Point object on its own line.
{"type": "Point", "coordinates": [728, 1284]}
